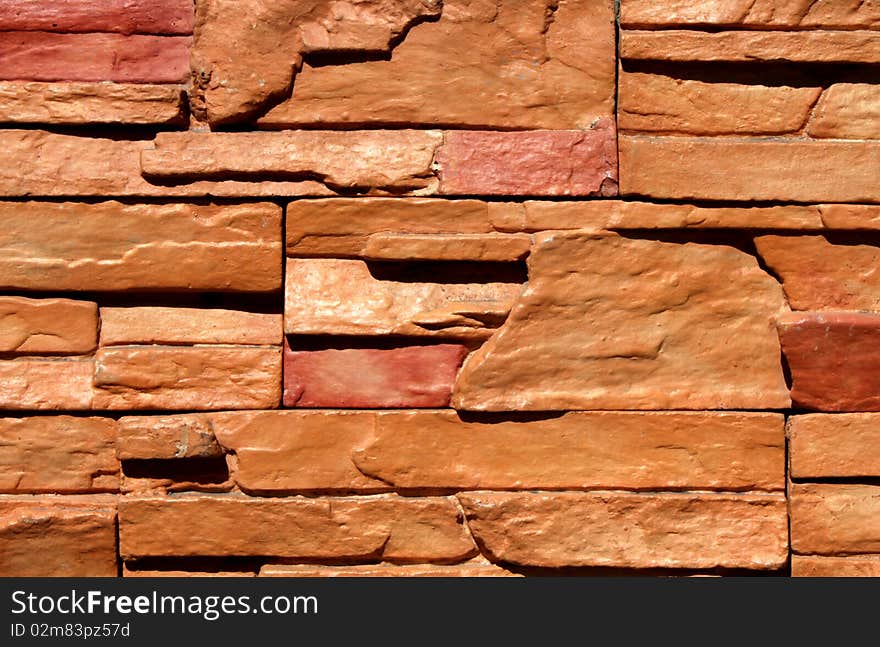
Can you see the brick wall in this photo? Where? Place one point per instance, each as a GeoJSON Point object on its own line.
{"type": "Point", "coordinates": [439, 287]}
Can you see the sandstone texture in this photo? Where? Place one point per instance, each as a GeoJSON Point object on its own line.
{"type": "Point", "coordinates": [122, 16]}
{"type": "Point", "coordinates": [388, 527]}
{"type": "Point", "coordinates": [164, 325]}
{"type": "Point", "coordinates": [834, 519]}
{"type": "Point", "coordinates": [855, 566]}
{"type": "Point", "coordinates": [114, 246]}
{"type": "Point", "coordinates": [834, 446]}
{"type": "Point", "coordinates": [46, 383]}
{"type": "Point", "coordinates": [467, 569]}
{"type": "Point", "coordinates": [446, 247]}
{"type": "Point", "coordinates": [165, 437]}
{"type": "Point", "coordinates": [848, 111]}
{"type": "Point", "coordinates": [616, 529]}
{"type": "Point", "coordinates": [60, 454]}
{"type": "Point", "coordinates": [618, 323]}
{"type": "Point", "coordinates": [129, 571]}
{"type": "Point", "coordinates": [58, 326]}
{"type": "Point", "coordinates": [370, 378]}
{"type": "Point", "coordinates": [833, 358]}
{"type": "Point", "coordinates": [851, 216]}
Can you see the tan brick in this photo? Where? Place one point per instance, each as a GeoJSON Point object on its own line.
{"type": "Point", "coordinates": [162, 325]}
{"type": "Point", "coordinates": [848, 111]}
{"type": "Point", "coordinates": [834, 519]}
{"type": "Point", "coordinates": [44, 383]}
{"type": "Point", "coordinates": [856, 566]}
{"type": "Point", "coordinates": [467, 569]}
{"type": "Point", "coordinates": [164, 437]}
{"type": "Point", "coordinates": [58, 326]}
{"type": "Point", "coordinates": [830, 446]}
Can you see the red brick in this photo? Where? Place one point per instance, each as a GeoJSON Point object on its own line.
{"type": "Point", "coordinates": [124, 16]}
{"type": "Point", "coordinates": [404, 377]}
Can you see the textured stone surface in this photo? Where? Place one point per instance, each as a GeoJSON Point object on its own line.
{"type": "Point", "coordinates": [515, 64]}
{"type": "Point", "coordinates": [848, 111]}
{"type": "Point", "coordinates": [130, 571]}
{"type": "Point", "coordinates": [198, 377]}
{"type": "Point", "coordinates": [162, 325]}
{"type": "Point", "coordinates": [393, 161]}
{"type": "Point", "coordinates": [88, 103]}
{"type": "Point", "coordinates": [37, 383]}
{"type": "Point", "coordinates": [751, 46]}
{"type": "Point", "coordinates": [618, 323]}
{"type": "Point", "coordinates": [530, 163]}
{"type": "Point", "coordinates": [163, 437]}
{"type": "Point", "coordinates": [112, 246]}
{"type": "Point", "coordinates": [752, 13]}
{"type": "Point", "coordinates": [124, 16]}
{"type": "Point", "coordinates": [818, 274]}
{"type": "Point", "coordinates": [855, 566]}
{"type": "Point", "coordinates": [467, 569]}
{"type": "Point", "coordinates": [832, 446]}
{"type": "Point", "coordinates": [345, 297]}
{"type": "Point", "coordinates": [630, 530]}
{"type": "Point", "coordinates": [73, 536]}
{"type": "Point", "coordinates": [371, 378]}
{"type": "Point", "coordinates": [58, 454]}
{"type": "Point", "coordinates": [851, 216]}
{"type": "Point", "coordinates": [342, 226]}
{"type": "Point", "coordinates": [386, 527]}
{"type": "Point", "coordinates": [446, 247]}
{"type": "Point", "coordinates": [665, 105]}
{"type": "Point", "coordinates": [44, 56]}
{"type": "Point", "coordinates": [749, 169]}
{"type": "Point", "coordinates": [59, 326]}
{"type": "Point", "coordinates": [247, 53]}
{"type": "Point", "coordinates": [834, 358]}
{"type": "Point", "coordinates": [834, 519]}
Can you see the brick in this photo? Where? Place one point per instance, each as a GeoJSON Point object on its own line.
{"type": "Point", "coordinates": [399, 377]}
{"type": "Point", "coordinates": [128, 571]}
{"type": "Point", "coordinates": [834, 360]}
{"type": "Point", "coordinates": [818, 274]}
{"type": "Point", "coordinates": [575, 162]}
{"type": "Point", "coordinates": [58, 454]}
{"type": "Point", "coordinates": [447, 247]}
{"type": "Point", "coordinates": [385, 527]}
{"type": "Point", "coordinates": [112, 246]}
{"type": "Point", "coordinates": [855, 566]}
{"type": "Point", "coordinates": [343, 297]}
{"type": "Point", "coordinates": [850, 216]}
{"type": "Point", "coordinates": [163, 325]}
{"type": "Point", "coordinates": [672, 326]}
{"type": "Point", "coordinates": [750, 46]}
{"type": "Point", "coordinates": [626, 530]}
{"type": "Point", "coordinates": [72, 536]}
{"type": "Point", "coordinates": [468, 569]}
{"type": "Point", "coordinates": [59, 326]}
{"type": "Point", "coordinates": [123, 16]}
{"type": "Point", "coordinates": [847, 111]}
{"type": "Point", "coordinates": [507, 66]}
{"type": "Point", "coordinates": [166, 437]}
{"type": "Point", "coordinates": [44, 383]}
{"type": "Point", "coordinates": [179, 377]}
{"type": "Point", "coordinates": [833, 446]}
{"type": "Point", "coordinates": [836, 519]}
{"type": "Point", "coordinates": [89, 103]}
{"type": "Point", "coordinates": [45, 56]}
{"type": "Point", "coordinates": [708, 168]}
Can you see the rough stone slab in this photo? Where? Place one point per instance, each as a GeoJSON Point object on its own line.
{"type": "Point", "coordinates": [848, 111]}
{"type": "Point", "coordinates": [654, 103]}
{"type": "Point", "coordinates": [519, 64]}
{"type": "Point", "coordinates": [340, 227]}
{"type": "Point", "coordinates": [162, 325]}
{"type": "Point", "coordinates": [58, 326]}
{"type": "Point", "coordinates": [89, 103]}
{"type": "Point", "coordinates": [468, 569]}
{"type": "Point", "coordinates": [627, 530]}
{"type": "Point", "coordinates": [112, 246]}
{"type": "Point", "coordinates": [558, 162]}
{"type": "Point", "coordinates": [371, 378]}
{"type": "Point", "coordinates": [834, 519]}
{"type": "Point", "coordinates": [617, 323]}
{"type": "Point", "coordinates": [855, 566]}
{"type": "Point", "coordinates": [850, 216]}
{"type": "Point", "coordinates": [706, 168]}
{"type": "Point", "coordinates": [165, 437]}
{"type": "Point", "coordinates": [834, 358]}
{"type": "Point", "coordinates": [58, 454]}
{"type": "Point", "coordinates": [750, 46]}
{"type": "Point", "coordinates": [385, 527]}
{"type": "Point", "coordinates": [70, 536]}
{"type": "Point", "coordinates": [343, 297]}
{"type": "Point", "coordinates": [818, 274]}
{"type": "Point", "coordinates": [834, 446]}
{"type": "Point", "coordinates": [42, 383]}
{"type": "Point", "coordinates": [446, 247]}
{"type": "Point", "coordinates": [180, 377]}
{"type": "Point", "coordinates": [45, 56]}
{"type": "Point", "coordinates": [384, 160]}
{"type": "Point", "coordinates": [123, 16]}
{"type": "Point", "coordinates": [750, 13]}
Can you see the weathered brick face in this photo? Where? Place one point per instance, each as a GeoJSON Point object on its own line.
{"type": "Point", "coordinates": [420, 288]}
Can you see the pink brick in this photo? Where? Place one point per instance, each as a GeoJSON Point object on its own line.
{"type": "Point", "coordinates": [411, 376]}
{"type": "Point", "coordinates": [551, 162]}
{"type": "Point", "coordinates": [124, 16]}
{"type": "Point", "coordinates": [40, 56]}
